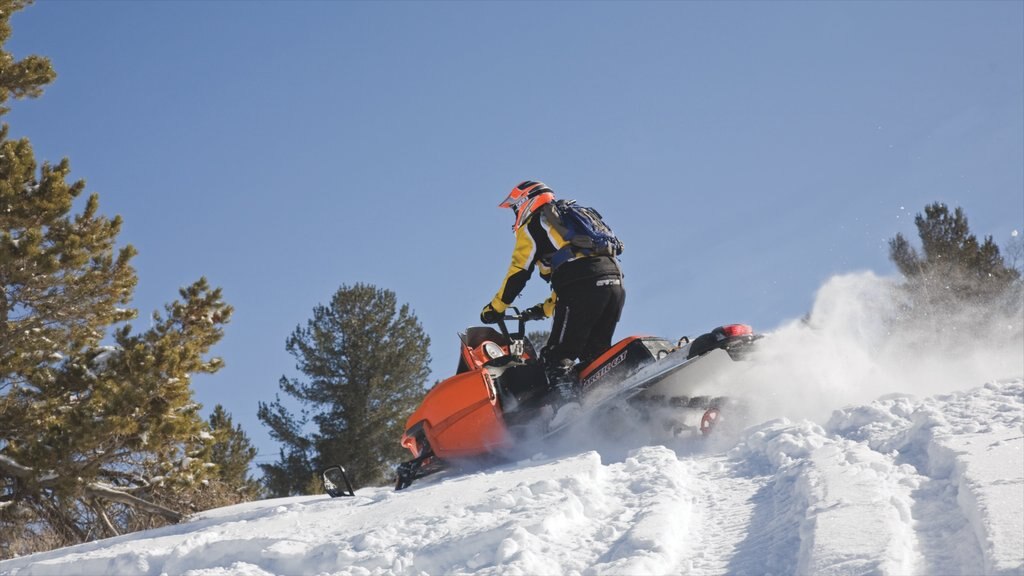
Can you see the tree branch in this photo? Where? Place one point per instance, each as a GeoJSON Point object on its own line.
{"type": "Point", "coordinates": [101, 515]}
{"type": "Point", "coordinates": [97, 490]}
{"type": "Point", "coordinates": [94, 489]}
{"type": "Point", "coordinates": [12, 468]}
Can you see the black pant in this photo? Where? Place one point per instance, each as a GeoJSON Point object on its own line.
{"type": "Point", "coordinates": [586, 314]}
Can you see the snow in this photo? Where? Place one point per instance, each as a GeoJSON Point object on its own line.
{"type": "Point", "coordinates": [863, 454]}
{"type": "Point", "coordinates": [896, 486]}
{"type": "Point", "coordinates": [102, 360]}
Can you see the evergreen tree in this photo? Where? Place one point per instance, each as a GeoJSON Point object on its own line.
{"type": "Point", "coordinates": [953, 272]}
{"type": "Point", "coordinates": [233, 453]}
{"type": "Point", "coordinates": [103, 440]}
{"type": "Point", "coordinates": [24, 78]}
{"type": "Point", "coordinates": [367, 362]}
{"type": "Point", "coordinates": [954, 266]}
{"type": "Point", "coordinates": [95, 440]}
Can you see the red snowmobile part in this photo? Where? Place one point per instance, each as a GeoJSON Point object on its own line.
{"type": "Point", "coordinates": [459, 417]}
{"type": "Point", "coordinates": [708, 420]}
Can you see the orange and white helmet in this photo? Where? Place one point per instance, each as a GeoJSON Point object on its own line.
{"type": "Point", "coordinates": [525, 198]}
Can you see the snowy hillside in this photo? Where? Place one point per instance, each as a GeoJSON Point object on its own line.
{"type": "Point", "coordinates": [865, 454]}
{"type": "Point", "coordinates": [898, 486]}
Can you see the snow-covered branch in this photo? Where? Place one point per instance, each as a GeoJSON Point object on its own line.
{"type": "Point", "coordinates": [94, 489]}
{"type": "Point", "coordinates": [105, 492]}
{"type": "Point", "coordinates": [12, 468]}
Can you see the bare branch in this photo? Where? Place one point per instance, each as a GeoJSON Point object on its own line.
{"type": "Point", "coordinates": [102, 516]}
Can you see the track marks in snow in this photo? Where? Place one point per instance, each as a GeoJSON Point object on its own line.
{"type": "Point", "coordinates": [834, 505]}
{"type": "Point", "coordinates": [731, 528]}
{"type": "Point", "coordinates": [947, 543]}
{"type": "Point", "coordinates": [900, 486]}
{"type": "Point", "coordinates": [963, 454]}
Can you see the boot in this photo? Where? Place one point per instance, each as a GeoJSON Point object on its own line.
{"type": "Point", "coordinates": [563, 393]}
{"type": "Point", "coordinates": [562, 385]}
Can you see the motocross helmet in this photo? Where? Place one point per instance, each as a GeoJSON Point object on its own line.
{"type": "Point", "coordinates": [526, 198]}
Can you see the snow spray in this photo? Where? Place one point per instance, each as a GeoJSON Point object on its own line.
{"type": "Point", "coordinates": [852, 348]}
{"type": "Point", "coordinates": [858, 344]}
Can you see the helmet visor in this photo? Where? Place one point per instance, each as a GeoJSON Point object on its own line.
{"type": "Point", "coordinates": [515, 200]}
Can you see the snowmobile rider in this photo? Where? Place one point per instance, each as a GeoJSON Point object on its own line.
{"type": "Point", "coordinates": [587, 292]}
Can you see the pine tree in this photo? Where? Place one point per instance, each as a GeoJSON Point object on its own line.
{"type": "Point", "coordinates": [24, 78]}
{"type": "Point", "coordinates": [954, 266]}
{"type": "Point", "coordinates": [367, 362]}
{"type": "Point", "coordinates": [95, 439]}
{"type": "Point", "coordinates": [232, 453]}
{"type": "Point", "coordinates": [954, 272]}
{"type": "Point", "coordinates": [104, 440]}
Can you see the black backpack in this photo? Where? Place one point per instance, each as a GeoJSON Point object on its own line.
{"type": "Point", "coordinates": [586, 232]}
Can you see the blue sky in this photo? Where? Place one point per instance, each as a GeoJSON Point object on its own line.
{"type": "Point", "coordinates": [744, 151]}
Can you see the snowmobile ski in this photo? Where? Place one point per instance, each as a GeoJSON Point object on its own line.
{"type": "Point", "coordinates": [332, 479]}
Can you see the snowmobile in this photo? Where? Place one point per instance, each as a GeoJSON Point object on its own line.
{"type": "Point", "coordinates": [500, 390]}
{"type": "Point", "coordinates": [499, 395]}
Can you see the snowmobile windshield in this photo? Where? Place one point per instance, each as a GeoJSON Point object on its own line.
{"type": "Point", "coordinates": [477, 335]}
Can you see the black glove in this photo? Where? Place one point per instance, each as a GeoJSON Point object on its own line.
{"type": "Point", "coordinates": [489, 315]}
{"type": "Point", "coordinates": [534, 313]}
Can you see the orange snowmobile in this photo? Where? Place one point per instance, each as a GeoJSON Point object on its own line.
{"type": "Point", "coordinates": [499, 395]}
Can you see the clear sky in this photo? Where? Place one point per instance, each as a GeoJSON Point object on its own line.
{"type": "Point", "coordinates": [744, 151]}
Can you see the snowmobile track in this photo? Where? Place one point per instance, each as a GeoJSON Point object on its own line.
{"type": "Point", "coordinates": [731, 532]}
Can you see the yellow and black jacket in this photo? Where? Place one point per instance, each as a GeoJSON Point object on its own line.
{"type": "Point", "coordinates": [536, 242]}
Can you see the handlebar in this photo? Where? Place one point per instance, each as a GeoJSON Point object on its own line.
{"type": "Point", "coordinates": [517, 316]}
{"type": "Point", "coordinates": [519, 335]}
